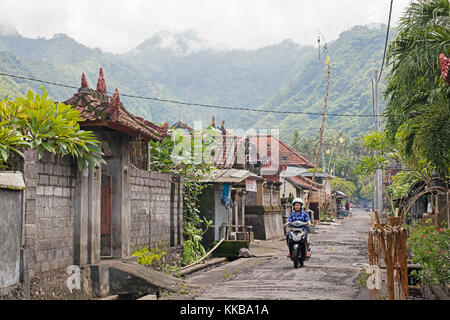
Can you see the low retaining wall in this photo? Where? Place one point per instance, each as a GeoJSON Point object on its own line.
{"type": "Point", "coordinates": [12, 189]}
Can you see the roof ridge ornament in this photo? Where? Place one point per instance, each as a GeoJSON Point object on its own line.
{"type": "Point", "coordinates": [115, 105]}
{"type": "Point", "coordinates": [84, 83]}
{"type": "Point", "coordinates": [101, 84]}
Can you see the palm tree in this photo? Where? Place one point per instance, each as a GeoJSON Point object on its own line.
{"type": "Point", "coordinates": [418, 108]}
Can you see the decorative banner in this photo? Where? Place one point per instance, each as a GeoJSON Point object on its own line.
{"type": "Point", "coordinates": [250, 184]}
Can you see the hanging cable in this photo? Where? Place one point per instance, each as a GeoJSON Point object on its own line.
{"type": "Point", "coordinates": [192, 103]}
{"type": "Point", "coordinates": [386, 42]}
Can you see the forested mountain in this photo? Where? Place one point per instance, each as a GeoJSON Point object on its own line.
{"type": "Point", "coordinates": [354, 56]}
{"type": "Point", "coordinates": [283, 76]}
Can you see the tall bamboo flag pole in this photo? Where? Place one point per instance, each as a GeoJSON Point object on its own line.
{"type": "Point", "coordinates": [321, 132]}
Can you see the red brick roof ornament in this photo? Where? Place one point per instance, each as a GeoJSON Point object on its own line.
{"type": "Point", "coordinates": [445, 67]}
{"type": "Point", "coordinates": [84, 83]}
{"type": "Point", "coordinates": [115, 106]}
{"type": "Point", "coordinates": [98, 109]}
{"type": "Point", "coordinates": [101, 85]}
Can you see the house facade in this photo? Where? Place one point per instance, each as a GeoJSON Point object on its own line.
{"type": "Point", "coordinates": [223, 201]}
{"type": "Point", "coordinates": [263, 190]}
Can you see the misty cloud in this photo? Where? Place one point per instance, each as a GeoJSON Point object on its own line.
{"type": "Point", "coordinates": [119, 26]}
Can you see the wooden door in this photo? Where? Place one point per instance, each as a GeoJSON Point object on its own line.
{"type": "Point", "coordinates": [106, 213]}
{"type": "Point", "coordinates": [314, 206]}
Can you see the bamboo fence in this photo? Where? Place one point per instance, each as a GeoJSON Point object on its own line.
{"type": "Point", "coordinates": [388, 242]}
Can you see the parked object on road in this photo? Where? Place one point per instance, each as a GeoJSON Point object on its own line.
{"type": "Point", "coordinates": [297, 239]}
{"type": "Point", "coordinates": [244, 253]}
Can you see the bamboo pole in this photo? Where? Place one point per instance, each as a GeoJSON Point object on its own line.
{"type": "Point", "coordinates": [404, 263]}
{"type": "Point", "coordinates": [389, 241]}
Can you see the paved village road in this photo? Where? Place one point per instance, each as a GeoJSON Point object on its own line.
{"type": "Point", "coordinates": [329, 274]}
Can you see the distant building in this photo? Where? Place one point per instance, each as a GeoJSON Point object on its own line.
{"type": "Point", "coordinates": [322, 199]}
{"type": "Point", "coordinates": [262, 189]}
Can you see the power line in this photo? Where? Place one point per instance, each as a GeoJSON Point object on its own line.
{"type": "Point", "coordinates": [386, 42]}
{"type": "Point", "coordinates": [192, 103]}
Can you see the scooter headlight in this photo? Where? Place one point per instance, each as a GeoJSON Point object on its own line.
{"type": "Point", "coordinates": [297, 236]}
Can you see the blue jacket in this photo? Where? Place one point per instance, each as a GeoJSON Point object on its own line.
{"type": "Point", "coordinates": [302, 216]}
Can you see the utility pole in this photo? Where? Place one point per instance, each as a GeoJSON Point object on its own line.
{"type": "Point", "coordinates": [322, 128]}
{"type": "Point", "coordinates": [378, 177]}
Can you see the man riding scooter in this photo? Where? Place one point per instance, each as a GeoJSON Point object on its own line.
{"type": "Point", "coordinates": [299, 215]}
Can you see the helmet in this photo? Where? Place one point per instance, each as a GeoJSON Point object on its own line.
{"type": "Point", "coordinates": [299, 200]}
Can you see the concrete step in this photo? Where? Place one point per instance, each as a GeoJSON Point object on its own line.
{"type": "Point", "coordinates": [117, 277]}
{"type": "Point", "coordinates": [132, 277]}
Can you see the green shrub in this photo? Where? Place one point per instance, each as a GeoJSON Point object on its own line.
{"type": "Point", "coordinates": [430, 247]}
{"type": "Point", "coordinates": [145, 256]}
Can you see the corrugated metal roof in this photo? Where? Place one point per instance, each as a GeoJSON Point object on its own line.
{"type": "Point", "coordinates": [339, 194]}
{"type": "Point", "coordinates": [227, 176]}
{"type": "Point", "coordinates": [317, 175]}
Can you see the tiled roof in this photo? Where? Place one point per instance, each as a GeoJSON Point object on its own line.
{"type": "Point", "coordinates": [234, 144]}
{"type": "Point", "coordinates": [97, 108]}
{"type": "Point", "coordinates": [303, 182]}
{"type": "Point", "coordinates": [293, 156]}
{"type": "Point", "coordinates": [226, 155]}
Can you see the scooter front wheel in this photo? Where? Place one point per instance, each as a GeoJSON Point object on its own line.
{"type": "Point", "coordinates": [295, 256]}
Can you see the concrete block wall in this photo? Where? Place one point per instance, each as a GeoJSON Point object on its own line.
{"type": "Point", "coordinates": [154, 198]}
{"type": "Point", "coordinates": [49, 212]}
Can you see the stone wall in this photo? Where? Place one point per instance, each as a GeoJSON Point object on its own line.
{"type": "Point", "coordinates": [156, 210]}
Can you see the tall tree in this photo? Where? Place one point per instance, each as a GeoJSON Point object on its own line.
{"type": "Point", "coordinates": [418, 108]}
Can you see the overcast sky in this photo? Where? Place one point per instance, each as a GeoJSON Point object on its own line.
{"type": "Point", "coordinates": [118, 26]}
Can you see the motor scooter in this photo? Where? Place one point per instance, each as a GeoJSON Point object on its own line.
{"type": "Point", "coordinates": [297, 242]}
